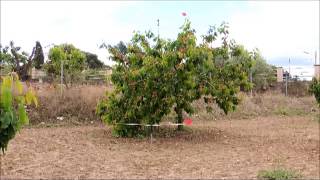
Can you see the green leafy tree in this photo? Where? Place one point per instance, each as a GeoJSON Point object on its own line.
{"type": "Point", "coordinates": [20, 62]}
{"type": "Point", "coordinates": [92, 61]}
{"type": "Point", "coordinates": [38, 58]}
{"type": "Point", "coordinates": [262, 73]}
{"type": "Point", "coordinates": [17, 61]}
{"type": "Point", "coordinates": [154, 76]}
{"type": "Point", "coordinates": [122, 47]}
{"type": "Point", "coordinates": [315, 89]}
{"type": "Point", "coordinates": [12, 108]}
{"type": "Point", "coordinates": [5, 58]}
{"type": "Point", "coordinates": [73, 61]}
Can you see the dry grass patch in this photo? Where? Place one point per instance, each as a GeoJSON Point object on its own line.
{"type": "Point", "coordinates": [262, 105]}
{"type": "Point", "coordinates": [76, 104]}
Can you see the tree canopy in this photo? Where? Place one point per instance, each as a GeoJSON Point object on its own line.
{"type": "Point", "coordinates": [92, 61]}
{"type": "Point", "coordinates": [38, 58]}
{"type": "Point", "coordinates": [262, 73]}
{"type": "Point", "coordinates": [154, 76]}
{"type": "Point", "coordinates": [315, 89]}
{"type": "Point", "coordinates": [17, 61]}
{"type": "Point", "coordinates": [73, 61]}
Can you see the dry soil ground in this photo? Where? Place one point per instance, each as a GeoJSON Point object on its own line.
{"type": "Point", "coordinates": [217, 149]}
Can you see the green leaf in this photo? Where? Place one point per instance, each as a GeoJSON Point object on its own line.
{"type": "Point", "coordinates": [6, 119]}
{"type": "Point", "coordinates": [13, 113]}
{"type": "Point", "coordinates": [19, 87]}
{"type": "Point", "coordinates": [23, 117]}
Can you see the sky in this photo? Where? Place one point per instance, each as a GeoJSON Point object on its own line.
{"type": "Point", "coordinates": [280, 29]}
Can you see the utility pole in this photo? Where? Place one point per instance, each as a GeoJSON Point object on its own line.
{"type": "Point", "coordinates": [251, 81]}
{"type": "Point", "coordinates": [315, 56]}
{"type": "Point", "coordinates": [315, 59]}
{"type": "Point", "coordinates": [61, 78]}
{"type": "Point", "coordinates": [289, 67]}
{"type": "Point", "coordinates": [158, 28]}
{"type": "Point", "coordinates": [287, 83]}
{"type": "Point", "coordinates": [288, 78]}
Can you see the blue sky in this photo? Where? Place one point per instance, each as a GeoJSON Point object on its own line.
{"type": "Point", "coordinates": [281, 30]}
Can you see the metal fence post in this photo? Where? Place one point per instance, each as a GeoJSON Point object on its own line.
{"type": "Point", "coordinates": [286, 84]}
{"type": "Point", "coordinates": [61, 78]}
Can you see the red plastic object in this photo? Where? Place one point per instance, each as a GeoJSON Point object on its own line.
{"type": "Point", "coordinates": [187, 121]}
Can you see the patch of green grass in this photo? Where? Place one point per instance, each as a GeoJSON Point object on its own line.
{"type": "Point", "coordinates": [317, 118]}
{"type": "Point", "coordinates": [282, 111]}
{"type": "Point", "coordinates": [278, 174]}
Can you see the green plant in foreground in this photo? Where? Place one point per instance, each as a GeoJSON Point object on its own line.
{"type": "Point", "coordinates": [278, 174]}
{"type": "Point", "coordinates": [12, 108]}
{"type": "Point", "coordinates": [315, 89]}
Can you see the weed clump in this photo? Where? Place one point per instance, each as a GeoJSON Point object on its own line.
{"type": "Point", "coordinates": [278, 174]}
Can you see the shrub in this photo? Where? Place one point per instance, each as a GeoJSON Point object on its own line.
{"type": "Point", "coordinates": [262, 73]}
{"type": "Point", "coordinates": [315, 89]}
{"type": "Point", "coordinates": [278, 174]}
{"type": "Point", "coordinates": [12, 108]}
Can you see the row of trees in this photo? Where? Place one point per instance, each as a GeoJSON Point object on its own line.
{"type": "Point", "coordinates": [74, 60]}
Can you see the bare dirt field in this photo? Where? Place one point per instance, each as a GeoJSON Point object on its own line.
{"type": "Point", "coordinates": [216, 149]}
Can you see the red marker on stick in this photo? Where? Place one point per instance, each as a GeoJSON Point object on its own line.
{"type": "Point", "coordinates": [187, 121]}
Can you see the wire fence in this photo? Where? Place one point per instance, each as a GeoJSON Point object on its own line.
{"type": "Point", "coordinates": [296, 85]}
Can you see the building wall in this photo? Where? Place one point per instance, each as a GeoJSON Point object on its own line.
{"type": "Point", "coordinates": [279, 74]}
{"type": "Point", "coordinates": [37, 74]}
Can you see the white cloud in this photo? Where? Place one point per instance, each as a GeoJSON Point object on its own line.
{"type": "Point", "coordinates": [83, 23]}
{"type": "Point", "coordinates": [278, 28]}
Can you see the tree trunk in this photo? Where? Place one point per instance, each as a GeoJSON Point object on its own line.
{"type": "Point", "coordinates": [65, 82]}
{"type": "Point", "coordinates": [23, 71]}
{"type": "Point", "coordinates": [179, 118]}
